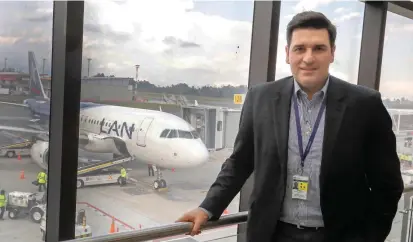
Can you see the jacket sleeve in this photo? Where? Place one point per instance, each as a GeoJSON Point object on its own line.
{"type": "Point", "coordinates": [382, 172]}
{"type": "Point", "coordinates": [237, 168]}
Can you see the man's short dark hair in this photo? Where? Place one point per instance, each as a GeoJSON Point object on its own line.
{"type": "Point", "coordinates": [311, 19]}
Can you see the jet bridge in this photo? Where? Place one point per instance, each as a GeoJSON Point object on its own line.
{"type": "Point", "coordinates": [83, 170]}
{"type": "Point", "coordinates": [217, 126]}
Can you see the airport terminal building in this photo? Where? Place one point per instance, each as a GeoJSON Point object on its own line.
{"type": "Point", "coordinates": [74, 168]}
{"type": "Point", "coordinates": [107, 88]}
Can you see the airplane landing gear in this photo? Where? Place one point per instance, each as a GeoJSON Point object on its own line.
{"type": "Point", "coordinates": [159, 182]}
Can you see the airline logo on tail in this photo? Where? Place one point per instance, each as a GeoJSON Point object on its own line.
{"type": "Point", "coordinates": [36, 86]}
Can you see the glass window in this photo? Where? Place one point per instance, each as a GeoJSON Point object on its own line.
{"type": "Point", "coordinates": [185, 134]}
{"type": "Point", "coordinates": [173, 134]}
{"type": "Point", "coordinates": [397, 93]}
{"type": "Point", "coordinates": [348, 18]}
{"type": "Point", "coordinates": [25, 40]}
{"type": "Point", "coordinates": [195, 134]}
{"type": "Point", "coordinates": [164, 133]}
{"type": "Point", "coordinates": [157, 66]}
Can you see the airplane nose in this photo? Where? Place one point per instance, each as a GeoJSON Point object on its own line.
{"type": "Point", "coordinates": [199, 154]}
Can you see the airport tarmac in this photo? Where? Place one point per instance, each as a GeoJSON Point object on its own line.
{"type": "Point", "coordinates": [133, 207]}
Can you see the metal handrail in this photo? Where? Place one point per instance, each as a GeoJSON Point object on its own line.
{"type": "Point", "coordinates": [174, 229]}
{"type": "Point", "coordinates": [167, 230]}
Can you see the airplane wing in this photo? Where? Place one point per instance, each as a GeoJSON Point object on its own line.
{"type": "Point", "coordinates": [24, 130]}
{"type": "Point", "coordinates": [15, 104]}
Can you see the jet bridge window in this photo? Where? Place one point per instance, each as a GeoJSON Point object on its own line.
{"type": "Point", "coordinates": [164, 133]}
{"type": "Point", "coordinates": [185, 134]}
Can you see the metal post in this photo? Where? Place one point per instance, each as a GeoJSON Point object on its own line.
{"type": "Point", "coordinates": [263, 59]}
{"type": "Point", "coordinates": [372, 41]}
{"type": "Point", "coordinates": [64, 119]}
{"type": "Point", "coordinates": [44, 63]}
{"type": "Point", "coordinates": [88, 66]}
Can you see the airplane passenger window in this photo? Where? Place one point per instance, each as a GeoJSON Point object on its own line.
{"type": "Point", "coordinates": [173, 134]}
{"type": "Point", "coordinates": [164, 133]}
{"type": "Point", "coordinates": [185, 134]}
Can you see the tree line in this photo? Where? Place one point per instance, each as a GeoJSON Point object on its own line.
{"type": "Point", "coordinates": [226, 91]}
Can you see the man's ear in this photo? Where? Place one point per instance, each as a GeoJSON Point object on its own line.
{"type": "Point", "coordinates": [333, 51]}
{"type": "Point", "coordinates": [287, 54]}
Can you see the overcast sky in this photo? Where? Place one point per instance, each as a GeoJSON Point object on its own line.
{"type": "Point", "coordinates": [200, 43]}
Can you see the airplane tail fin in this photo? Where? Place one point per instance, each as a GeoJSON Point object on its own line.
{"type": "Point", "coordinates": [35, 83]}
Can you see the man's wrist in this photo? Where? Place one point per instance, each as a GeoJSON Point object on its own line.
{"type": "Point", "coordinates": [207, 212]}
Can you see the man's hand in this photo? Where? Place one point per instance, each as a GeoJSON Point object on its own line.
{"type": "Point", "coordinates": [198, 217]}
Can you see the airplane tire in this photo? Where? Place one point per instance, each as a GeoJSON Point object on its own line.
{"type": "Point", "coordinates": [156, 185]}
{"type": "Point", "coordinates": [79, 184]}
{"type": "Point", "coordinates": [36, 214]}
{"type": "Point", "coordinates": [10, 154]}
{"type": "Point", "coordinates": [163, 183]}
{"type": "Point", "coordinates": [13, 213]}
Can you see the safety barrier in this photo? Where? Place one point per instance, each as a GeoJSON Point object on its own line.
{"type": "Point", "coordinates": [173, 229]}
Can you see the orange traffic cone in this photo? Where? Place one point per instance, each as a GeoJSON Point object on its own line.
{"type": "Point", "coordinates": [226, 212]}
{"type": "Point", "coordinates": [22, 175]}
{"type": "Point", "coordinates": [19, 157]}
{"type": "Point", "coordinates": [112, 227]}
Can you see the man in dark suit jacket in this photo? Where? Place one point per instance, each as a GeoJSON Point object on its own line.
{"type": "Point", "coordinates": [331, 138]}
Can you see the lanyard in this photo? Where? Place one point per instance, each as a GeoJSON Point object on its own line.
{"type": "Point", "coordinates": [313, 132]}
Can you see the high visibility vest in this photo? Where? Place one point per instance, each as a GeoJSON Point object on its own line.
{"type": "Point", "coordinates": [123, 172]}
{"type": "Point", "coordinates": [41, 178]}
{"type": "Point", "coordinates": [2, 201]}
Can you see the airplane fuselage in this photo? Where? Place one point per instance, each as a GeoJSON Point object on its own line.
{"type": "Point", "coordinates": [136, 132]}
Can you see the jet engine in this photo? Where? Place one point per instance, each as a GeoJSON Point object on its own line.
{"type": "Point", "coordinates": [39, 153]}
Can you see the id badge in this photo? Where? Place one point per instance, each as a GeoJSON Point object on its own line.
{"type": "Point", "coordinates": [300, 187]}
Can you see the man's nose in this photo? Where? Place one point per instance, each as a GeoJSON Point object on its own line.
{"type": "Point", "coordinates": [308, 57]}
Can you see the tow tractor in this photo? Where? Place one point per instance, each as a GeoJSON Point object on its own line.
{"type": "Point", "coordinates": [13, 150]}
{"type": "Point", "coordinates": [82, 230]}
{"type": "Point", "coordinates": [99, 173]}
{"type": "Point", "coordinates": [22, 204]}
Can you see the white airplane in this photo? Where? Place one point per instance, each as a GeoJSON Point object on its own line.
{"type": "Point", "coordinates": [156, 138]}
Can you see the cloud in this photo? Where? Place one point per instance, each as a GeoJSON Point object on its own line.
{"type": "Point", "coordinates": [191, 46]}
{"type": "Point", "coordinates": [397, 88]}
{"type": "Point", "coordinates": [309, 5]}
{"type": "Point", "coordinates": [346, 17]}
{"type": "Point", "coordinates": [8, 40]}
{"type": "Point", "coordinates": [341, 10]}
{"type": "Point", "coordinates": [175, 43]}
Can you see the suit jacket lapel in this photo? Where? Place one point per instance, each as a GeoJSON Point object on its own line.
{"type": "Point", "coordinates": [335, 109]}
{"type": "Point", "coordinates": [281, 116]}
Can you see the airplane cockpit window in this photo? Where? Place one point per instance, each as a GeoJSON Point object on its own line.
{"type": "Point", "coordinates": [185, 134]}
{"type": "Point", "coordinates": [173, 134]}
{"type": "Point", "coordinates": [195, 134]}
{"type": "Point", "coordinates": [164, 133]}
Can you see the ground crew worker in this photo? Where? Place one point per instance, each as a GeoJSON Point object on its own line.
{"type": "Point", "coordinates": [42, 179]}
{"type": "Point", "coordinates": [123, 176]}
{"type": "Point", "coordinates": [3, 202]}
{"type": "Point", "coordinates": [150, 170]}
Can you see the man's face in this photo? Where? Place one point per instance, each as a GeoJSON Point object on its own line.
{"type": "Point", "coordinates": [309, 56]}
